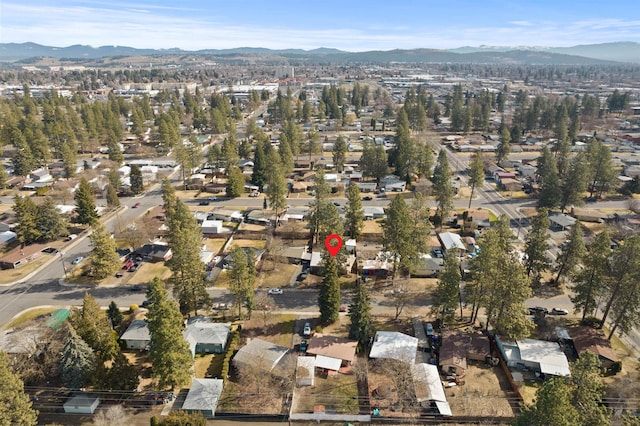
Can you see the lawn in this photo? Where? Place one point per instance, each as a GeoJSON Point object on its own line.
{"type": "Point", "coordinates": [208, 365]}
{"type": "Point", "coordinates": [336, 393]}
{"type": "Point", "coordinates": [275, 328]}
{"type": "Point", "coordinates": [256, 244]}
{"type": "Point", "coordinates": [30, 315]}
{"type": "Point", "coordinates": [372, 227]}
{"type": "Point", "coordinates": [215, 244]}
{"type": "Point", "coordinates": [148, 271]}
{"type": "Point", "coordinates": [281, 276]}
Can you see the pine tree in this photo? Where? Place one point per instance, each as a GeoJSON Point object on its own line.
{"type": "Point", "coordinates": [536, 246]}
{"type": "Point", "coordinates": [574, 182]}
{"type": "Point", "coordinates": [397, 236]}
{"type": "Point", "coordinates": [77, 363]}
{"type": "Point", "coordinates": [339, 154]}
{"type": "Point", "coordinates": [588, 391]}
{"type": "Point", "coordinates": [86, 212]}
{"type": "Point", "coordinates": [242, 279]}
{"type": "Point", "coordinates": [171, 359]}
{"type": "Point", "coordinates": [354, 215]}
{"type": "Point", "coordinates": [258, 177]}
{"type": "Point", "coordinates": [112, 197]}
{"type": "Point", "coordinates": [587, 284]}
{"type": "Point", "coordinates": [51, 224]}
{"type": "Point", "coordinates": [550, 192]}
{"type": "Point", "coordinates": [92, 325]}
{"type": "Point", "coordinates": [360, 315]}
{"type": "Point", "coordinates": [571, 253]}
{"type": "Point", "coordinates": [235, 182]}
{"type": "Point", "coordinates": [552, 406]}
{"type": "Point", "coordinates": [446, 294]}
{"type": "Point", "coordinates": [121, 376]}
{"type": "Point", "coordinates": [27, 216]}
{"type": "Point", "coordinates": [476, 174]}
{"type": "Point", "coordinates": [135, 179]}
{"type": "Point", "coordinates": [15, 406]}
{"type": "Point", "coordinates": [115, 153]}
{"type": "Point", "coordinates": [114, 314]}
{"type": "Point", "coordinates": [188, 270]}
{"type": "Point", "coordinates": [104, 258]}
{"type": "Point", "coordinates": [277, 187]}
{"type": "Point", "coordinates": [329, 294]}
{"type": "Point", "coordinates": [442, 188]}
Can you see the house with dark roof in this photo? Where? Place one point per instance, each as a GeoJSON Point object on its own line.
{"type": "Point", "coordinates": [337, 349]}
{"type": "Point", "coordinates": [457, 348]}
{"type": "Point", "coordinates": [586, 339]}
{"type": "Point", "coordinates": [22, 255]}
{"type": "Point", "coordinates": [155, 252]}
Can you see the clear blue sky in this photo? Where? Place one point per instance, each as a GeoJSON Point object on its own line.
{"type": "Point", "coordinates": [348, 25]}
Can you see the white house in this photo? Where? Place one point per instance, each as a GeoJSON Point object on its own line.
{"type": "Point", "coordinates": [137, 335]}
{"type": "Point", "coordinates": [428, 387]}
{"type": "Point", "coordinates": [538, 355]}
{"type": "Point", "coordinates": [211, 227]}
{"type": "Point", "coordinates": [394, 345]}
{"type": "Point", "coordinates": [203, 396]}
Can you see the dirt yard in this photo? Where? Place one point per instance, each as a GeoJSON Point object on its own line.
{"type": "Point", "coordinates": [338, 394]}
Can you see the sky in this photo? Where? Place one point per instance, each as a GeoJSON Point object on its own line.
{"type": "Point", "coordinates": [351, 25]}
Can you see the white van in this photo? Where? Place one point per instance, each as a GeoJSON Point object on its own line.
{"type": "Point", "coordinates": [71, 237]}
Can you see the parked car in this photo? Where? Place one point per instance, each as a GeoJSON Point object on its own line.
{"type": "Point", "coordinates": [119, 274]}
{"type": "Point", "coordinates": [71, 237]}
{"type": "Point", "coordinates": [301, 277]}
{"type": "Point", "coordinates": [367, 198]}
{"type": "Point", "coordinates": [538, 310]}
{"type": "Point", "coordinates": [306, 331]}
{"type": "Point", "coordinates": [146, 304]}
{"type": "Point", "coordinates": [303, 346]}
{"type": "Point", "coordinates": [127, 265]}
{"type": "Point", "coordinates": [135, 288]}
{"type": "Point", "coordinates": [275, 291]}
{"type": "Point", "coordinates": [559, 311]}
{"type": "Point", "coordinates": [212, 198]}
{"type": "Point", "coordinates": [204, 203]}
{"type": "Point", "coordinates": [134, 267]}
{"type": "Point", "coordinates": [438, 252]}
{"type": "Point", "coordinates": [77, 260]}
{"type": "Point", "coordinates": [343, 308]}
{"type": "Point", "coordinates": [135, 206]}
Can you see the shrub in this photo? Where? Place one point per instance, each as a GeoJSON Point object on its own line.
{"type": "Point", "coordinates": [616, 367]}
{"type": "Point", "coordinates": [591, 322]}
{"type": "Point", "coordinates": [133, 308]}
{"type": "Point", "coordinates": [319, 329]}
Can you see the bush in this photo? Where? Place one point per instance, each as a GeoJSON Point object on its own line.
{"type": "Point", "coordinates": [319, 329]}
{"type": "Point", "coordinates": [134, 307]}
{"type": "Point", "coordinates": [591, 322]}
{"type": "Point", "coordinates": [616, 367]}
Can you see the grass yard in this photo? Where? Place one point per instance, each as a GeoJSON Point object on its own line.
{"type": "Point", "coordinates": [208, 365]}
{"type": "Point", "coordinates": [281, 276]}
{"type": "Point", "coordinates": [29, 315]}
{"type": "Point", "coordinates": [275, 328]}
{"type": "Point", "coordinates": [215, 244]}
{"type": "Point", "coordinates": [256, 244]}
{"type": "Point", "coordinates": [11, 275]}
{"type": "Point", "coordinates": [148, 271]}
{"type": "Point", "coordinates": [337, 394]}
{"type": "Point", "coordinates": [372, 227]}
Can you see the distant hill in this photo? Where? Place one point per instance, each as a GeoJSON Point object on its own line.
{"type": "Point", "coordinates": [621, 51]}
{"type": "Point", "coordinates": [482, 55]}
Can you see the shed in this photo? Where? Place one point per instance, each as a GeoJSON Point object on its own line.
{"type": "Point", "coordinates": [211, 227]}
{"type": "Point", "coordinates": [428, 387]}
{"type": "Point", "coordinates": [203, 396]}
{"type": "Point", "coordinates": [394, 345]}
{"type": "Point", "coordinates": [328, 363]}
{"type": "Point", "coordinates": [81, 404]}
{"type": "Point", "coordinates": [137, 335]}
{"type": "Point", "coordinates": [305, 371]}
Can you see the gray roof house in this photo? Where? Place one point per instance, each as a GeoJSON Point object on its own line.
{"type": "Point", "coordinates": [450, 241]}
{"type": "Point", "coordinates": [81, 404]}
{"type": "Point", "coordinates": [137, 335]}
{"type": "Point", "coordinates": [203, 396]}
{"type": "Point", "coordinates": [205, 336]}
{"type": "Point", "coordinates": [561, 221]}
{"type": "Point", "coordinates": [259, 354]}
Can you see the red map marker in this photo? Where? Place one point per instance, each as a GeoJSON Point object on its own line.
{"type": "Point", "coordinates": [333, 250]}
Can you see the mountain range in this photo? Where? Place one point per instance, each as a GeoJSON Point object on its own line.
{"type": "Point", "coordinates": [576, 55]}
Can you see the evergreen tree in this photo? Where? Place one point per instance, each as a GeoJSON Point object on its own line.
{"type": "Point", "coordinates": [405, 147]}
{"type": "Point", "coordinates": [360, 315]}
{"type": "Point", "coordinates": [574, 182]}
{"type": "Point", "coordinates": [135, 178]}
{"type": "Point", "coordinates": [184, 234]}
{"type": "Point", "coordinates": [354, 215]}
{"type": "Point", "coordinates": [4, 177]}
{"type": "Point", "coordinates": [504, 147]}
{"type": "Point", "coordinates": [27, 216]}
{"type": "Point", "coordinates": [277, 188]}
{"type": "Point", "coordinates": [552, 406]}
{"type": "Point", "coordinates": [571, 253]}
{"type": "Point", "coordinates": [329, 294]}
{"type": "Point", "coordinates": [77, 363]}
{"type": "Point", "coordinates": [114, 178]}
{"type": "Point", "coordinates": [587, 287]}
{"type": "Point", "coordinates": [235, 182]}
{"type": "Point", "coordinates": [329, 221]}
{"type": "Point", "coordinates": [588, 391]}
{"type": "Point", "coordinates": [339, 154]}
{"type": "Point", "coordinates": [86, 212]}
{"type": "Point", "coordinates": [446, 294]}
{"type": "Point", "coordinates": [242, 279]}
{"type": "Point", "coordinates": [424, 160]}
{"type": "Point", "coordinates": [259, 175]}
{"type": "Point", "coordinates": [476, 174]}
{"type": "Point", "coordinates": [92, 325]}
{"type": "Point", "coordinates": [322, 191]}
{"type": "Point", "coordinates": [536, 246]}
{"type": "Point", "coordinates": [121, 376]}
{"type": "Point", "coordinates": [442, 188]}
{"type": "Point", "coordinates": [550, 182]}
{"type": "Point", "coordinates": [15, 405]}
{"type": "Point", "coordinates": [601, 170]}
{"type": "Point", "coordinates": [104, 258]}
{"type": "Point", "coordinates": [397, 236]}
{"type": "Point", "coordinates": [171, 359]}
{"type": "Point", "coordinates": [115, 153]}
{"type": "Point", "coordinates": [114, 314]}
{"type": "Point", "coordinates": [112, 197]}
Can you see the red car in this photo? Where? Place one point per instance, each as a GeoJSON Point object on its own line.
{"type": "Point", "coordinates": [136, 205]}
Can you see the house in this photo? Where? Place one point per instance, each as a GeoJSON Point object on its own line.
{"type": "Point", "coordinates": [211, 227]}
{"type": "Point", "coordinates": [259, 217]}
{"type": "Point", "coordinates": [316, 263]}
{"type": "Point", "coordinates": [538, 355]}
{"type": "Point", "coordinates": [41, 175]}
{"type": "Point", "coordinates": [81, 404]}
{"type": "Point", "coordinates": [395, 186]}
{"type": "Point", "coordinates": [394, 345]}
{"type": "Point", "coordinates": [123, 254]}
{"type": "Point", "coordinates": [339, 351]}
{"type": "Point", "coordinates": [480, 217]}
{"type": "Point", "coordinates": [372, 212]}
{"type": "Point", "coordinates": [428, 266]}
{"type": "Point", "coordinates": [350, 245]}
{"type": "Point", "coordinates": [367, 186]}
{"type": "Point", "coordinates": [22, 255]}
{"type": "Point", "coordinates": [588, 215]}
{"type": "Point", "coordinates": [28, 340]}
{"type": "Point", "coordinates": [226, 215]}
{"type": "Point", "coordinates": [155, 252]}
{"type": "Point", "coordinates": [586, 339]}
{"type": "Point", "coordinates": [203, 396]}
{"type": "Point", "coordinates": [297, 255]}
{"type": "Point", "coordinates": [137, 335]}
{"type": "Point", "coordinates": [306, 371]}
{"type": "Point", "coordinates": [296, 213]}
{"type": "Point", "coordinates": [451, 241]}
{"type": "Point", "coordinates": [205, 336]}
{"type": "Point", "coordinates": [457, 348]}
{"type": "Point", "coordinates": [257, 253]}
{"type": "Point", "coordinates": [510, 184]}
{"type": "Point", "coordinates": [259, 354]}
{"type": "Point", "coordinates": [428, 388]}
{"type": "Point", "coordinates": [380, 266]}
{"type": "Point", "coordinates": [560, 221]}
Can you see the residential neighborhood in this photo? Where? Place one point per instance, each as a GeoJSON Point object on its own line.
{"type": "Point", "coordinates": [170, 258]}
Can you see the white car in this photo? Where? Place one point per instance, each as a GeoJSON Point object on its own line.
{"type": "Point", "coordinates": [559, 311]}
{"type": "Point", "coordinates": [77, 260]}
{"type": "Point", "coordinates": [275, 291]}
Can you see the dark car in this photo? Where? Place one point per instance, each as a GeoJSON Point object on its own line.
{"type": "Point", "coordinates": [119, 274]}
{"type": "Point", "coordinates": [135, 288]}
{"type": "Point", "coordinates": [303, 346]}
{"type": "Point", "coordinates": [302, 276]}
{"type": "Point", "coordinates": [134, 267]}
{"type": "Point", "coordinates": [204, 203]}
{"type": "Point", "coordinates": [538, 310]}
{"type": "Point", "coordinates": [367, 198]}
